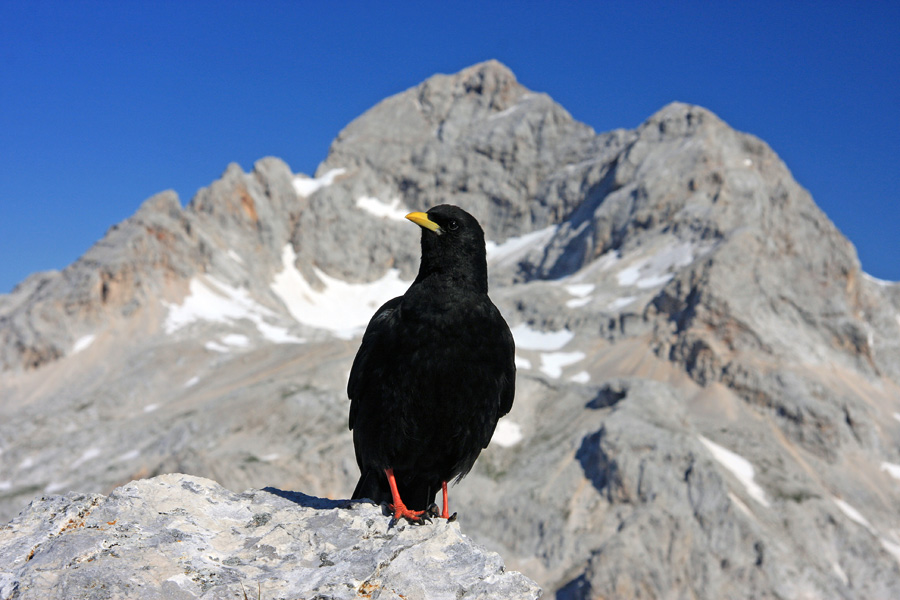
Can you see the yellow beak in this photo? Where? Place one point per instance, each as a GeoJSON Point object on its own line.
{"type": "Point", "coordinates": [421, 219]}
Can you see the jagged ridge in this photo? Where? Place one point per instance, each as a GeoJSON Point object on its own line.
{"type": "Point", "coordinates": [703, 367]}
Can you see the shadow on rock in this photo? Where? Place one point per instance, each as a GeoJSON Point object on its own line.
{"type": "Point", "coordinates": [599, 467]}
{"type": "Point", "coordinates": [608, 395]}
{"type": "Point", "coordinates": [309, 501]}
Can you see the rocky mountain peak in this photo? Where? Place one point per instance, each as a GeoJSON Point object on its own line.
{"type": "Point", "coordinates": [678, 119]}
{"type": "Point", "coordinates": [702, 365]}
{"type": "Point", "coordinates": [165, 202]}
{"type": "Point", "coordinates": [459, 139]}
{"type": "Point", "coordinates": [476, 92]}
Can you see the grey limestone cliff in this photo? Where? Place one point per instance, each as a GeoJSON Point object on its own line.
{"type": "Point", "coordinates": [180, 537]}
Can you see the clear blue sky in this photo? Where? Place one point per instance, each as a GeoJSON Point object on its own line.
{"type": "Point", "coordinates": [103, 104]}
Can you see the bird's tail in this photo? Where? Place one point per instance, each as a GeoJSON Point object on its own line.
{"type": "Point", "coordinates": [373, 485]}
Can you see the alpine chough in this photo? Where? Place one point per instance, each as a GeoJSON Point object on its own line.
{"type": "Point", "coordinates": [435, 371]}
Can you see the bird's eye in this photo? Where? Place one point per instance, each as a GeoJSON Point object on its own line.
{"type": "Point", "coordinates": [452, 226]}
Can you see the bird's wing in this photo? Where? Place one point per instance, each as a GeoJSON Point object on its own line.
{"type": "Point", "coordinates": [503, 361]}
{"type": "Point", "coordinates": [508, 389]}
{"type": "Point", "coordinates": [376, 337]}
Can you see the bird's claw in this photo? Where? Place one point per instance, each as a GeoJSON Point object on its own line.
{"type": "Point", "coordinates": [416, 517]}
{"type": "Point", "coordinates": [412, 520]}
{"type": "Point", "coordinates": [434, 511]}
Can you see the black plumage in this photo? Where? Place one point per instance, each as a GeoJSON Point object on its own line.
{"type": "Point", "coordinates": [434, 373]}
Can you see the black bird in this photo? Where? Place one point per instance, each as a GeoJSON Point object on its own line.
{"type": "Point", "coordinates": [435, 371]}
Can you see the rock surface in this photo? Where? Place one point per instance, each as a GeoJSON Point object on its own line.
{"type": "Point", "coordinates": [176, 536]}
{"type": "Point", "coordinates": [708, 387]}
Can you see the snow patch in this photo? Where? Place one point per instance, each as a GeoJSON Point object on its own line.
{"type": "Point", "coordinates": [5, 485]}
{"type": "Point", "coordinates": [515, 248]}
{"type": "Point", "coordinates": [522, 363]}
{"type": "Point", "coordinates": [216, 347]}
{"type": "Point", "coordinates": [580, 290]}
{"type": "Point", "coordinates": [235, 257]}
{"type": "Point", "coordinates": [657, 269]}
{"type": "Point", "coordinates": [307, 186]}
{"type": "Point", "coordinates": [892, 469]}
{"type": "Point", "coordinates": [341, 308]}
{"type": "Point", "coordinates": [621, 302]}
{"type": "Point", "coordinates": [82, 343]}
{"type": "Point", "coordinates": [531, 339]}
{"type": "Point", "coordinates": [395, 210]}
{"type": "Point", "coordinates": [27, 463]}
{"type": "Point", "coordinates": [578, 302]}
{"type": "Point", "coordinates": [630, 275]}
{"type": "Point", "coordinates": [150, 408]}
{"type": "Point", "coordinates": [739, 466]}
{"type": "Point", "coordinates": [235, 339]}
{"type": "Point", "coordinates": [581, 377]}
{"type": "Point", "coordinates": [192, 382]}
{"type": "Point", "coordinates": [891, 547]}
{"type": "Point", "coordinates": [278, 335]}
{"type": "Point", "coordinates": [507, 434]}
{"type": "Point", "coordinates": [552, 363]}
{"type": "Point", "coordinates": [852, 514]}
{"type": "Point", "coordinates": [216, 301]}
{"type": "Point", "coordinates": [897, 416]}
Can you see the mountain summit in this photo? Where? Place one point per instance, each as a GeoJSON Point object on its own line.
{"type": "Point", "coordinates": [708, 390]}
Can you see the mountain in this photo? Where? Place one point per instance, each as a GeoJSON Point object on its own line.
{"type": "Point", "coordinates": [708, 394]}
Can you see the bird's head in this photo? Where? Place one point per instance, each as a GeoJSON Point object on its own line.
{"type": "Point", "coordinates": [452, 243]}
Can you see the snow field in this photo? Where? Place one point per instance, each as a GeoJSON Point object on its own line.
{"type": "Point", "coordinates": [739, 466]}
{"type": "Point", "coordinates": [342, 308]}
{"type": "Point", "coordinates": [307, 186]}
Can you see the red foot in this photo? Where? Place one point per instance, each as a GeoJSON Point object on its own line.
{"type": "Point", "coordinates": [401, 512]}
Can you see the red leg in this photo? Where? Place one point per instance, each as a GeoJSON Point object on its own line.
{"type": "Point", "coordinates": [445, 514]}
{"type": "Point", "coordinates": [400, 510]}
